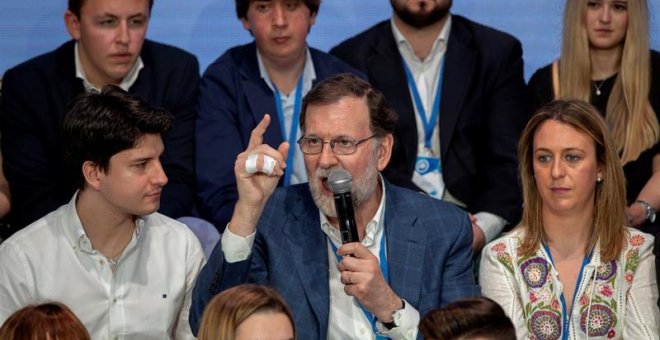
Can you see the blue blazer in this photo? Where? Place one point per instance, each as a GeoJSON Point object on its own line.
{"type": "Point", "coordinates": [429, 253]}
{"type": "Point", "coordinates": [35, 96]}
{"type": "Point", "coordinates": [233, 99]}
{"type": "Point", "coordinates": [483, 109]}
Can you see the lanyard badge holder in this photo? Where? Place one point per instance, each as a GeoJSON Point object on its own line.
{"type": "Point", "coordinates": [428, 168]}
{"type": "Point", "coordinates": [288, 172]}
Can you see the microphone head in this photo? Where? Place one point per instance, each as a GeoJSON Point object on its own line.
{"type": "Point", "coordinates": [339, 181]}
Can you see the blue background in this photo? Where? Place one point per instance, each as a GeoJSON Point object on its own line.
{"type": "Point", "coordinates": [208, 27]}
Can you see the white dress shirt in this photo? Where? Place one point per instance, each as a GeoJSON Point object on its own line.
{"type": "Point", "coordinates": [299, 174]}
{"type": "Point", "coordinates": [426, 73]}
{"type": "Point", "coordinates": [344, 309]}
{"type": "Point", "coordinates": [148, 297]}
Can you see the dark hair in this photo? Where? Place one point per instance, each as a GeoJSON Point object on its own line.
{"type": "Point", "coordinates": [243, 5]}
{"type": "Point", "coordinates": [475, 317]}
{"type": "Point", "coordinates": [610, 197]}
{"type": "Point", "coordinates": [229, 309]}
{"type": "Point", "coordinates": [76, 5]}
{"type": "Point", "coordinates": [382, 119]}
{"type": "Point", "coordinates": [48, 321]}
{"type": "Point", "coordinates": [99, 125]}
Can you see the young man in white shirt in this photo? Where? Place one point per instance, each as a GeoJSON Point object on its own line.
{"type": "Point", "coordinates": [123, 269]}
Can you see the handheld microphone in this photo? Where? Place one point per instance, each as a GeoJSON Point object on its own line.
{"type": "Point", "coordinates": [339, 182]}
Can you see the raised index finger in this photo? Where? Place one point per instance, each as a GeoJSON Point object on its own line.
{"type": "Point", "coordinates": [257, 135]}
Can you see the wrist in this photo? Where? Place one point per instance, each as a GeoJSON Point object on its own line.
{"type": "Point", "coordinates": [649, 210]}
{"type": "Point", "coordinates": [393, 317]}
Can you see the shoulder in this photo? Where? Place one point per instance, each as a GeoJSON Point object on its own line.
{"type": "Point", "coordinates": [362, 40]}
{"type": "Point", "coordinates": [166, 56]}
{"type": "Point", "coordinates": [510, 242]}
{"type": "Point", "coordinates": [637, 242]}
{"type": "Point", "coordinates": [42, 68]}
{"type": "Point", "coordinates": [328, 65]}
{"type": "Point", "coordinates": [231, 61]}
{"type": "Point", "coordinates": [40, 239]}
{"type": "Point", "coordinates": [481, 34]}
{"type": "Point", "coordinates": [542, 75]}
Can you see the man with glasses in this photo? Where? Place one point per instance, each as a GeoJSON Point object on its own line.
{"type": "Point", "coordinates": [414, 253]}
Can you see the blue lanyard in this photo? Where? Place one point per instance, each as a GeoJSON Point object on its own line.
{"type": "Point", "coordinates": [294, 126]}
{"type": "Point", "coordinates": [386, 275]}
{"type": "Point", "coordinates": [565, 315]}
{"type": "Point", "coordinates": [429, 123]}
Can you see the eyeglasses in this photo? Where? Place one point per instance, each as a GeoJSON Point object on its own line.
{"type": "Point", "coordinates": [339, 146]}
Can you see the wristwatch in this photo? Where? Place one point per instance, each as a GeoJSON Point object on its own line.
{"type": "Point", "coordinates": [650, 210]}
{"type": "Point", "coordinates": [397, 314]}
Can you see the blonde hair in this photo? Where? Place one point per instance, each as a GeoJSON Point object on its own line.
{"type": "Point", "coordinates": [229, 309]}
{"type": "Point", "coordinates": [610, 198]}
{"type": "Point", "coordinates": [629, 114]}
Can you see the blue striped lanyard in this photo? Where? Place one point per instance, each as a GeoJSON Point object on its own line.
{"type": "Point", "coordinates": [429, 123]}
{"type": "Point", "coordinates": [386, 275]}
{"type": "Point", "coordinates": [565, 316]}
{"type": "Point", "coordinates": [294, 126]}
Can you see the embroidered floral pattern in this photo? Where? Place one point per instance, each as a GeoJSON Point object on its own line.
{"type": "Point", "coordinates": [601, 319]}
{"type": "Point", "coordinates": [606, 270]}
{"type": "Point", "coordinates": [502, 256]}
{"type": "Point", "coordinates": [546, 325]}
{"type": "Point", "coordinates": [535, 271]}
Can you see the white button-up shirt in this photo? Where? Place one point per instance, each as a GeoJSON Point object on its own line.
{"type": "Point", "coordinates": [148, 297]}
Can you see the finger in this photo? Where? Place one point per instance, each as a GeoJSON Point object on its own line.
{"type": "Point", "coordinates": [283, 149]}
{"type": "Point", "coordinates": [357, 249]}
{"type": "Point", "coordinates": [257, 135]}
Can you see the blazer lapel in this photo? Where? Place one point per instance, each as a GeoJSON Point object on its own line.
{"type": "Point", "coordinates": [309, 252]}
{"type": "Point", "coordinates": [260, 98]}
{"type": "Point", "coordinates": [405, 243]}
{"type": "Point", "coordinates": [459, 66]}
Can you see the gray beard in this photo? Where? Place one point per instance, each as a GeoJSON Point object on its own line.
{"type": "Point", "coordinates": [361, 189]}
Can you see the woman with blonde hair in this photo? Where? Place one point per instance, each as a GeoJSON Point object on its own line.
{"type": "Point", "coordinates": [605, 60]}
{"type": "Point", "coordinates": [571, 269]}
{"type": "Point", "coordinates": [47, 321]}
{"type": "Point", "coordinates": [247, 312]}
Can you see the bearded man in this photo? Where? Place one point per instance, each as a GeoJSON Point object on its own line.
{"type": "Point", "coordinates": [413, 254]}
{"type": "Point", "coordinates": [459, 90]}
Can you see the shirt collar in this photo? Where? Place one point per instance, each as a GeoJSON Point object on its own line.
{"type": "Point", "coordinates": [75, 233]}
{"type": "Point", "coordinates": [440, 42]}
{"type": "Point", "coordinates": [309, 74]}
{"type": "Point", "coordinates": [373, 227]}
{"type": "Point", "coordinates": [126, 83]}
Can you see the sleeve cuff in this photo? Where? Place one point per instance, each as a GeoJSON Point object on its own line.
{"type": "Point", "coordinates": [491, 224]}
{"type": "Point", "coordinates": [408, 327]}
{"type": "Point", "coordinates": [236, 248]}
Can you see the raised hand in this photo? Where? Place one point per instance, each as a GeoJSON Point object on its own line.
{"type": "Point", "coordinates": [258, 170]}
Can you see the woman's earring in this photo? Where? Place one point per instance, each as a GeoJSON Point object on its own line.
{"type": "Point", "coordinates": [599, 179]}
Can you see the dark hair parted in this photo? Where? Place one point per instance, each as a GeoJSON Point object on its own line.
{"type": "Point", "coordinates": [99, 125]}
{"type": "Point", "coordinates": [75, 6]}
{"type": "Point", "coordinates": [229, 309]}
{"type": "Point", "coordinates": [466, 319]}
{"type": "Point", "coordinates": [382, 119]}
{"type": "Point", "coordinates": [48, 321]}
{"type": "Point", "coordinates": [610, 197]}
{"type": "Point", "coordinates": [242, 6]}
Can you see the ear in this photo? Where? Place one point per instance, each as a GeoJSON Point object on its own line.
{"type": "Point", "coordinates": [72, 25]}
{"type": "Point", "coordinates": [385, 151]}
{"type": "Point", "coordinates": [246, 24]}
{"type": "Point", "coordinates": [312, 20]}
{"type": "Point", "coordinates": [93, 175]}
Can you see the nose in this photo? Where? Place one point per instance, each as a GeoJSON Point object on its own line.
{"type": "Point", "coordinates": [123, 36]}
{"type": "Point", "coordinates": [327, 158]}
{"type": "Point", "coordinates": [279, 15]}
{"type": "Point", "coordinates": [605, 14]}
{"type": "Point", "coordinates": [557, 170]}
{"type": "Point", "coordinates": [158, 176]}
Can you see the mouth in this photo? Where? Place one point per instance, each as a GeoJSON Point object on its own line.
{"type": "Point", "coordinates": [123, 57]}
{"type": "Point", "coordinates": [559, 190]}
{"type": "Point", "coordinates": [280, 40]}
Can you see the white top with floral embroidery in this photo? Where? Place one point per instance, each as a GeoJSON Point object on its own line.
{"type": "Point", "coordinates": [618, 298]}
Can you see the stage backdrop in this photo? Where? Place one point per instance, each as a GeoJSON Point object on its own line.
{"type": "Point", "coordinates": [208, 27]}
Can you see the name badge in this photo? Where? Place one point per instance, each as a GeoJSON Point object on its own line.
{"type": "Point", "coordinates": [427, 175]}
